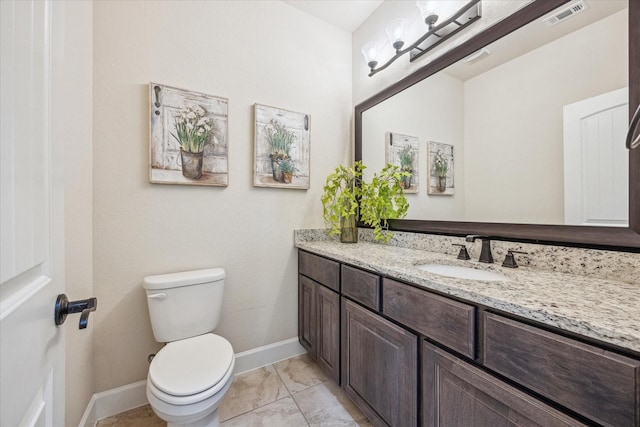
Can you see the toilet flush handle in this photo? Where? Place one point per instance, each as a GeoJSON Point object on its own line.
{"type": "Point", "coordinates": [157, 296]}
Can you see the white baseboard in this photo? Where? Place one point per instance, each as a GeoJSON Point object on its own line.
{"type": "Point", "coordinates": [130, 396]}
{"type": "Point", "coordinates": [267, 354]}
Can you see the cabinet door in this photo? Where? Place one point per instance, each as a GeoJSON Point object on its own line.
{"type": "Point", "coordinates": [379, 366]}
{"type": "Point", "coordinates": [457, 394]}
{"type": "Point", "coordinates": [307, 314]}
{"type": "Point", "coordinates": [328, 331]}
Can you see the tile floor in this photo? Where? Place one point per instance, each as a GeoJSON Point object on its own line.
{"type": "Point", "coordinates": [291, 393]}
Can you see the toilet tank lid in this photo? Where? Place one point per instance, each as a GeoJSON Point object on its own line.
{"type": "Point", "coordinates": [184, 278]}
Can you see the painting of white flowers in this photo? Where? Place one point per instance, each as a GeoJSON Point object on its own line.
{"type": "Point", "coordinates": [440, 161]}
{"type": "Point", "coordinates": [282, 148]}
{"type": "Point", "coordinates": [402, 151]}
{"type": "Point", "coordinates": [188, 137]}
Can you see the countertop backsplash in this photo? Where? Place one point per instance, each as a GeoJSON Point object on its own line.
{"type": "Point", "coordinates": [601, 264]}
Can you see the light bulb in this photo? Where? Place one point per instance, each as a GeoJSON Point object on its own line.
{"type": "Point", "coordinates": [395, 31]}
{"type": "Point", "coordinates": [370, 53]}
{"type": "Point", "coordinates": [428, 11]}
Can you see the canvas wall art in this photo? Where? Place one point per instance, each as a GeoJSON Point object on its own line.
{"type": "Point", "coordinates": [402, 151]}
{"type": "Point", "coordinates": [282, 148]}
{"type": "Point", "coordinates": [189, 137]}
{"type": "Point", "coordinates": [441, 168]}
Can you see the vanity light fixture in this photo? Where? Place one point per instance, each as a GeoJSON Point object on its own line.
{"type": "Point", "coordinates": [443, 18]}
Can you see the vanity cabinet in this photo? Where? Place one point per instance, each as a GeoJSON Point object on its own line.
{"type": "Point", "coordinates": [408, 356]}
{"type": "Point", "coordinates": [319, 311]}
{"type": "Point", "coordinates": [379, 366]}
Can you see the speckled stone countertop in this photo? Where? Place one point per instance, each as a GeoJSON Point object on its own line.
{"type": "Point", "coordinates": [605, 310]}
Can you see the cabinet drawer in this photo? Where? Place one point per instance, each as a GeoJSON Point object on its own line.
{"type": "Point", "coordinates": [361, 286]}
{"type": "Point", "coordinates": [320, 269]}
{"type": "Point", "coordinates": [449, 322]}
{"type": "Point", "coordinates": [596, 383]}
{"type": "Point", "coordinates": [456, 393]}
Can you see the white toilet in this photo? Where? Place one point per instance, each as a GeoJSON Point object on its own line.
{"type": "Point", "coordinates": [191, 374]}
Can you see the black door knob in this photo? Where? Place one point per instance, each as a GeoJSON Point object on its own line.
{"type": "Point", "coordinates": [64, 307]}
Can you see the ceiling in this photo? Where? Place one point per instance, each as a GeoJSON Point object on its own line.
{"type": "Point", "coordinates": [346, 14]}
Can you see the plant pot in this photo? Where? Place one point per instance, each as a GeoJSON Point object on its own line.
{"type": "Point", "coordinates": [191, 164]}
{"type": "Point", "coordinates": [276, 172]}
{"type": "Point", "coordinates": [406, 182]}
{"type": "Point", "coordinates": [348, 230]}
{"type": "Point", "coordinates": [442, 183]}
{"type": "Point", "coordinates": [288, 177]}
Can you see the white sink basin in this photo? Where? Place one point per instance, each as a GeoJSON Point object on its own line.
{"type": "Point", "coordinates": [462, 272]}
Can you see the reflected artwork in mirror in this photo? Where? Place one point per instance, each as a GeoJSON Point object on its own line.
{"type": "Point", "coordinates": [537, 115]}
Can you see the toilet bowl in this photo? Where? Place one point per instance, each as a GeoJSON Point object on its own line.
{"type": "Point", "coordinates": [190, 375]}
{"type": "Point", "coordinates": [188, 379]}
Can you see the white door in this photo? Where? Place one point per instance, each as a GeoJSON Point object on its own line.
{"type": "Point", "coordinates": [31, 221]}
{"type": "Point", "coordinates": [596, 163]}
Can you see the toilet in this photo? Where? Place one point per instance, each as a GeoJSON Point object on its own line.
{"type": "Point", "coordinates": [190, 375]}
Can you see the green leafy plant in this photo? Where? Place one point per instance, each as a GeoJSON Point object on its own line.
{"type": "Point", "coordinates": [380, 200]}
{"type": "Point", "coordinates": [406, 158]}
{"type": "Point", "coordinates": [341, 194]}
{"type": "Point", "coordinates": [383, 199]}
{"type": "Point", "coordinates": [286, 166]}
{"type": "Point", "coordinates": [193, 129]}
{"type": "Point", "coordinates": [440, 164]}
{"type": "Point", "coordinates": [280, 139]}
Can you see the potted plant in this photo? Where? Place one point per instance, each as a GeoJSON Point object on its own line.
{"type": "Point", "coordinates": [340, 201]}
{"type": "Point", "coordinates": [346, 195]}
{"type": "Point", "coordinates": [441, 167]}
{"type": "Point", "coordinates": [383, 199]}
{"type": "Point", "coordinates": [406, 164]}
{"type": "Point", "coordinates": [193, 130]}
{"type": "Point", "coordinates": [280, 140]}
{"type": "Point", "coordinates": [288, 170]}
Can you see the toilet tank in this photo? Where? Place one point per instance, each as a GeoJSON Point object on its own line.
{"type": "Point", "coordinates": [185, 304]}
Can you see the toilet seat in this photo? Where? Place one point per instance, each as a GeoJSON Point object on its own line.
{"type": "Point", "coordinates": [191, 370]}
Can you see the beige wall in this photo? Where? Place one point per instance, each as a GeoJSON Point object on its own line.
{"type": "Point", "coordinates": [250, 52]}
{"type": "Point", "coordinates": [432, 110]}
{"type": "Point", "coordinates": [73, 76]}
{"type": "Point", "coordinates": [505, 106]}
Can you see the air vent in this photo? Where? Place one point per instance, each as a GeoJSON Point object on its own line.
{"type": "Point", "coordinates": [476, 56]}
{"type": "Point", "coordinates": [565, 13]}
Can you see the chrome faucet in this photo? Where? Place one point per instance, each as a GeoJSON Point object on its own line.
{"type": "Point", "coordinates": [485, 254]}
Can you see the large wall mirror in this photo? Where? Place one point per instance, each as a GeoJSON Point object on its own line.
{"type": "Point", "coordinates": [535, 118]}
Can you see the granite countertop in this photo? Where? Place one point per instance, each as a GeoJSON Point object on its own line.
{"type": "Point", "coordinates": [605, 310]}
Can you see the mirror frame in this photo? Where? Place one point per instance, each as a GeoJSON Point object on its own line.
{"type": "Point", "coordinates": [612, 238]}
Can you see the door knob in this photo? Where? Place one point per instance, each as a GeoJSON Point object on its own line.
{"type": "Point", "coordinates": [84, 307]}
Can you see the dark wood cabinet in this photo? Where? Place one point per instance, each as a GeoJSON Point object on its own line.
{"type": "Point", "coordinates": [361, 286]}
{"type": "Point", "coordinates": [307, 314]}
{"type": "Point", "coordinates": [444, 320]}
{"type": "Point", "coordinates": [328, 331]}
{"type": "Point", "coordinates": [321, 270]}
{"type": "Point", "coordinates": [458, 394]}
{"type": "Point", "coordinates": [599, 384]}
{"type": "Point", "coordinates": [477, 368]}
{"type": "Point", "coordinates": [319, 324]}
{"type": "Point", "coordinates": [319, 311]}
{"type": "Point", "coordinates": [379, 366]}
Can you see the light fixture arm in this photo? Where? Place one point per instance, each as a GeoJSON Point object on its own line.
{"type": "Point", "coordinates": [416, 48]}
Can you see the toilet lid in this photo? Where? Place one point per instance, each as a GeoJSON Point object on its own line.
{"type": "Point", "coordinates": [192, 365]}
